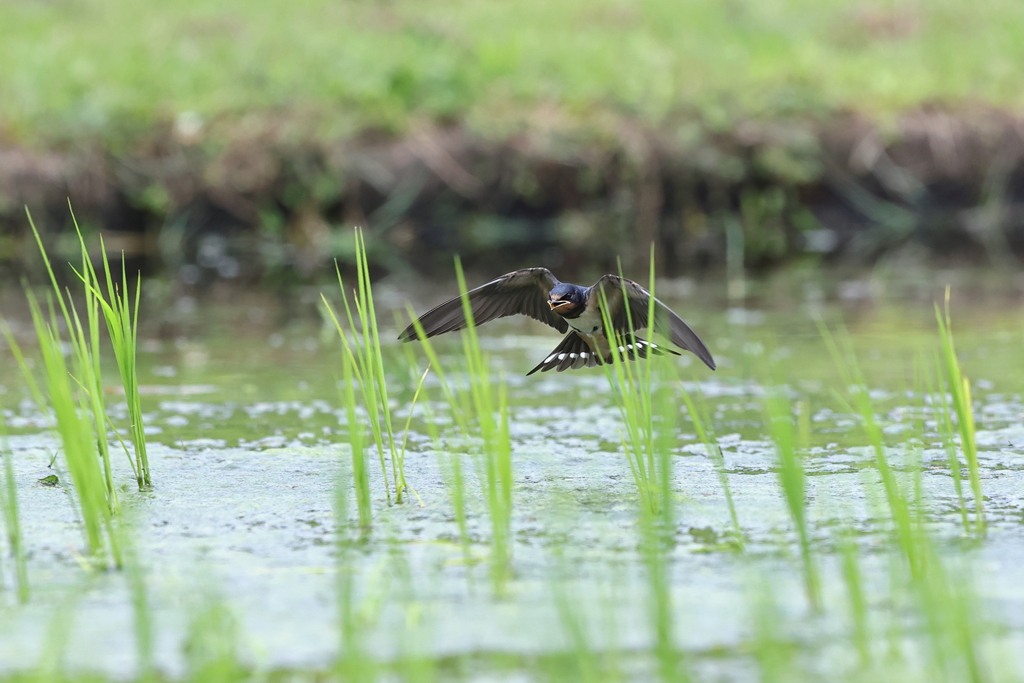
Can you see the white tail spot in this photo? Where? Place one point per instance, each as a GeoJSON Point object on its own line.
{"type": "Point", "coordinates": [561, 356]}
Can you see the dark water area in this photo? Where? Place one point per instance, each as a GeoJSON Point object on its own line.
{"type": "Point", "coordinates": [249, 439]}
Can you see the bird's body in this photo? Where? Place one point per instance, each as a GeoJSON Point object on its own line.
{"type": "Point", "coordinates": [569, 308]}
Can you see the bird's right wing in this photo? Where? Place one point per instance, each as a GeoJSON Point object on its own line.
{"type": "Point", "coordinates": [521, 291]}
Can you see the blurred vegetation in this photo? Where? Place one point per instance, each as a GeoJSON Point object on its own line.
{"type": "Point", "coordinates": [110, 67]}
{"type": "Point", "coordinates": [224, 139]}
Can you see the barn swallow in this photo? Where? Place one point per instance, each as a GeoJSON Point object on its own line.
{"type": "Point", "coordinates": [569, 308]}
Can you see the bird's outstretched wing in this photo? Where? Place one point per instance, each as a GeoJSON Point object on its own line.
{"type": "Point", "coordinates": [623, 294]}
{"type": "Point", "coordinates": [521, 291]}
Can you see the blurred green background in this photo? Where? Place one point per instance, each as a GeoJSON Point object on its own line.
{"type": "Point", "coordinates": [516, 133]}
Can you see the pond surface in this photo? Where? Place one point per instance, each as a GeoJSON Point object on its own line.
{"type": "Point", "coordinates": [248, 441]}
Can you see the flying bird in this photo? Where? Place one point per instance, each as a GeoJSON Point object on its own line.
{"type": "Point", "coordinates": [570, 308]}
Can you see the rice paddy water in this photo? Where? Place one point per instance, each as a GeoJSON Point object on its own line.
{"type": "Point", "coordinates": [644, 521]}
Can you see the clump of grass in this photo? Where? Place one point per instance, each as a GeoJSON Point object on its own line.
{"type": "Point", "coordinates": [943, 599]}
{"type": "Point", "coordinates": [122, 317]}
{"type": "Point", "coordinates": [649, 411]}
{"type": "Point", "coordinates": [85, 342]}
{"type": "Point", "coordinates": [11, 518]}
{"type": "Point", "coordinates": [794, 485]}
{"type": "Point", "coordinates": [75, 395]}
{"type": "Point", "coordinates": [641, 405]}
{"type": "Point", "coordinates": [366, 365]}
{"type": "Point", "coordinates": [96, 502]}
{"type": "Point", "coordinates": [960, 391]}
{"type": "Point", "coordinates": [360, 475]}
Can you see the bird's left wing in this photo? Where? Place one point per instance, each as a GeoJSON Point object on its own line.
{"type": "Point", "coordinates": [628, 303]}
{"type": "Point", "coordinates": [521, 291]}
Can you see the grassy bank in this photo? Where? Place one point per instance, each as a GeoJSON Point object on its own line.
{"type": "Point", "coordinates": [100, 67]}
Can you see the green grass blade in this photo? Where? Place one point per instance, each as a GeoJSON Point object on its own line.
{"type": "Point", "coordinates": [350, 376]}
{"type": "Point", "coordinates": [793, 481]}
{"type": "Point", "coordinates": [960, 391]}
{"type": "Point", "coordinates": [11, 517]}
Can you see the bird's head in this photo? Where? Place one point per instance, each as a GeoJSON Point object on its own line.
{"type": "Point", "coordinates": [565, 299]}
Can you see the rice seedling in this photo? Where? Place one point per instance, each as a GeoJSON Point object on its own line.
{"type": "Point", "coordinates": [360, 475]}
{"type": "Point", "coordinates": [85, 342]}
{"type": "Point", "coordinates": [367, 367]}
{"type": "Point", "coordinates": [363, 366]}
{"type": "Point", "coordinates": [703, 426]}
{"type": "Point", "coordinates": [860, 403]}
{"type": "Point", "coordinates": [122, 317]}
{"type": "Point", "coordinates": [78, 437]}
{"type": "Point", "coordinates": [408, 424]}
{"type": "Point", "coordinates": [944, 422]}
{"type": "Point", "coordinates": [26, 371]}
{"type": "Point", "coordinates": [854, 582]}
{"type": "Point", "coordinates": [481, 414]}
{"type": "Point", "coordinates": [451, 463]}
{"type": "Point", "coordinates": [945, 604]}
{"type": "Point", "coordinates": [84, 440]}
{"type": "Point", "coordinates": [945, 612]}
{"type": "Point", "coordinates": [960, 391]}
{"type": "Point", "coordinates": [12, 521]}
{"type": "Point", "coordinates": [648, 413]}
{"type": "Point", "coordinates": [494, 463]}
{"type": "Point", "coordinates": [793, 481]}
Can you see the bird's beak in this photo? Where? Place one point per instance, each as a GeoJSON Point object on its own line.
{"type": "Point", "coordinates": [552, 303]}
